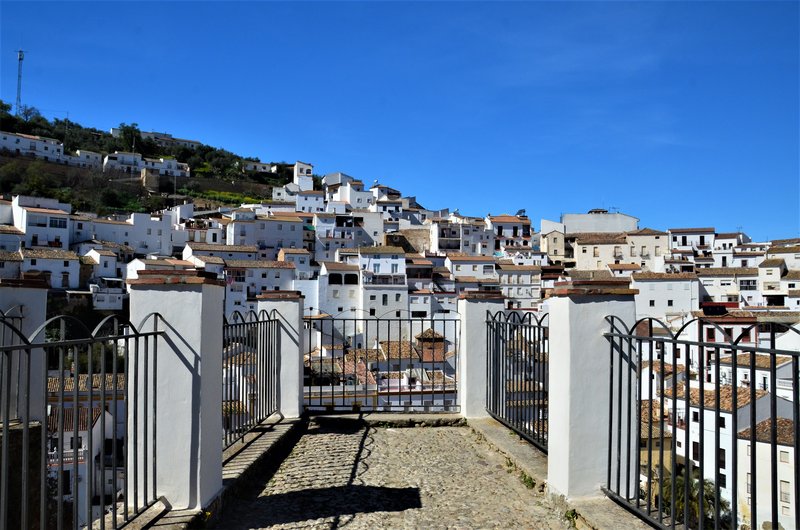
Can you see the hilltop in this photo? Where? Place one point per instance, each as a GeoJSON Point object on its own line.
{"type": "Point", "coordinates": [217, 175]}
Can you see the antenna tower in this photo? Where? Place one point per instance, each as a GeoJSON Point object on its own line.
{"type": "Point", "coordinates": [20, 57]}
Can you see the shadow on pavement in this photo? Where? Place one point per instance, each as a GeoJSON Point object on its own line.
{"type": "Point", "coordinates": [318, 503]}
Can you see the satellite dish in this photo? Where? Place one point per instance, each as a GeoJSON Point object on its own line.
{"type": "Point", "coordinates": [520, 213]}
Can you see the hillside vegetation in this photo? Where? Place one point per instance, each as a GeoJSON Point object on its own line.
{"type": "Point", "coordinates": [216, 175]}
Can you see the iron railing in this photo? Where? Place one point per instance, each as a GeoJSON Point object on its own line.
{"type": "Point", "coordinates": [687, 450]}
{"type": "Point", "coordinates": [77, 449]}
{"type": "Point", "coordinates": [249, 373]}
{"type": "Point", "coordinates": [517, 373]}
{"type": "Point", "coordinates": [381, 364]}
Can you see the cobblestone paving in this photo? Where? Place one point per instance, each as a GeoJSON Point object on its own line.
{"type": "Point", "coordinates": [347, 475]}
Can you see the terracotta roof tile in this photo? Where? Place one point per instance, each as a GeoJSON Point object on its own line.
{"type": "Point", "coordinates": [784, 430]}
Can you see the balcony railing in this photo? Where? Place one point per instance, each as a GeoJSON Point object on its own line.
{"type": "Point", "coordinates": [518, 374]}
{"type": "Point", "coordinates": [249, 373]}
{"type": "Point", "coordinates": [40, 488]}
{"type": "Point", "coordinates": [737, 431]}
{"type": "Point", "coordinates": [381, 364]}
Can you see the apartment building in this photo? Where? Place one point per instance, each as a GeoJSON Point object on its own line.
{"type": "Point", "coordinates": [509, 231]}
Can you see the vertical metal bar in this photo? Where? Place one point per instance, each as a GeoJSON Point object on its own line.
{"type": "Point", "coordinates": [145, 420]}
{"type": "Point", "coordinates": [136, 400]}
{"type": "Point", "coordinates": [795, 382]}
{"type": "Point", "coordinates": [45, 432]}
{"type": "Point", "coordinates": [639, 414]}
{"type": "Point", "coordinates": [103, 390]}
{"type": "Point", "coordinates": [717, 441]}
{"type": "Point", "coordinates": [155, 406]}
{"type": "Point", "coordinates": [753, 447]}
{"type": "Point", "coordinates": [611, 343]}
{"type": "Point", "coordinates": [702, 367]}
{"type": "Point", "coordinates": [6, 404]}
{"type": "Point", "coordinates": [26, 436]}
{"type": "Point", "coordinates": [61, 449]}
{"type": "Point", "coordinates": [687, 471]}
{"type": "Point", "coordinates": [619, 409]}
{"type": "Point", "coordinates": [87, 458]}
{"type": "Point", "coordinates": [115, 414]}
{"type": "Point", "coordinates": [630, 368]}
{"type": "Point", "coordinates": [735, 432]}
{"type": "Point", "coordinates": [773, 435]}
{"type": "Point", "coordinates": [76, 408]}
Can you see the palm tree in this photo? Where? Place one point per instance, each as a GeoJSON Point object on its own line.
{"type": "Point", "coordinates": [679, 505]}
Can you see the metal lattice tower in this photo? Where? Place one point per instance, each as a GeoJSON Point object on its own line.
{"type": "Point", "coordinates": [20, 57]}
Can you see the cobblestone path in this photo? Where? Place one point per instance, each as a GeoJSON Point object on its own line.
{"type": "Point", "coordinates": [344, 474]}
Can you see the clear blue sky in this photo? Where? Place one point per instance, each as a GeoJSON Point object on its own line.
{"type": "Point", "coordinates": [680, 113]}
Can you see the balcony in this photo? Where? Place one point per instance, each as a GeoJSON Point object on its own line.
{"type": "Point", "coordinates": [337, 467]}
{"type": "Point", "coordinates": [384, 279]}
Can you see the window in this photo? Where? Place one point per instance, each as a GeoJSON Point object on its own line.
{"type": "Point", "coordinates": [336, 293]}
{"type": "Point", "coordinates": [66, 263]}
{"type": "Point", "coordinates": [397, 297]}
{"type": "Point", "coordinates": [372, 298]}
{"type": "Point", "coordinates": [33, 262]}
{"type": "Point", "coordinates": [785, 457]}
{"type": "Point", "coordinates": [669, 303]}
{"type": "Point", "coordinates": [385, 299]}
{"type": "Point", "coordinates": [721, 422]}
{"type": "Point", "coordinates": [372, 311]}
{"type": "Point", "coordinates": [695, 451]}
{"type": "Point", "coordinates": [58, 222]}
{"type": "Point", "coordinates": [376, 268]}
{"type": "Point", "coordinates": [652, 303]}
{"type": "Point", "coordinates": [785, 497]}
{"type": "Point", "coordinates": [695, 416]}
{"type": "Point", "coordinates": [721, 458]}
{"type": "Point", "coordinates": [723, 481]}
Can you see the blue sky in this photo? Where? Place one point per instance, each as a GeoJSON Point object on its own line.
{"type": "Point", "coordinates": [680, 113]}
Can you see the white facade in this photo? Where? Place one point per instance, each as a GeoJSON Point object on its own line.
{"type": "Point", "coordinates": [670, 297]}
{"type": "Point", "coordinates": [761, 484]}
{"type": "Point", "coordinates": [47, 149]}
{"type": "Point", "coordinates": [303, 176]}
{"type": "Point", "coordinates": [598, 220]}
{"type": "Point", "coordinates": [62, 266]}
{"type": "Point", "coordinates": [45, 222]}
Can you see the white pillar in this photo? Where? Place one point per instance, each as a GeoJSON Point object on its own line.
{"type": "Point", "coordinates": [287, 308]}
{"type": "Point", "coordinates": [473, 308]}
{"type": "Point", "coordinates": [188, 387]}
{"type": "Point", "coordinates": [579, 397]}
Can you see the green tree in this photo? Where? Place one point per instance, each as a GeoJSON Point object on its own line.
{"type": "Point", "coordinates": [28, 113]}
{"type": "Point", "coordinates": [707, 511]}
{"type": "Point", "coordinates": [11, 175]}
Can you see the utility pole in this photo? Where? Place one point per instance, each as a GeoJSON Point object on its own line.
{"type": "Point", "coordinates": [20, 57]}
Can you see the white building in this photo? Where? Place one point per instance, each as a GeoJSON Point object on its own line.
{"type": "Point", "coordinates": [596, 220]}
{"type": "Point", "coordinates": [757, 491]}
{"type": "Point", "coordinates": [737, 285]}
{"type": "Point", "coordinates": [246, 279]}
{"type": "Point", "coordinates": [666, 296]}
{"type": "Point", "coordinates": [47, 149]}
{"type": "Point", "coordinates": [303, 176]}
{"type": "Point", "coordinates": [45, 222]}
{"type": "Point", "coordinates": [60, 267]}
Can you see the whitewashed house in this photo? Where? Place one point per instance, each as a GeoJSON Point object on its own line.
{"type": "Point", "coordinates": [47, 149]}
{"type": "Point", "coordinates": [756, 491]}
{"type": "Point", "coordinates": [61, 267]}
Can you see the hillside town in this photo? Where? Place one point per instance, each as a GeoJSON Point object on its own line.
{"type": "Point", "coordinates": [370, 251]}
